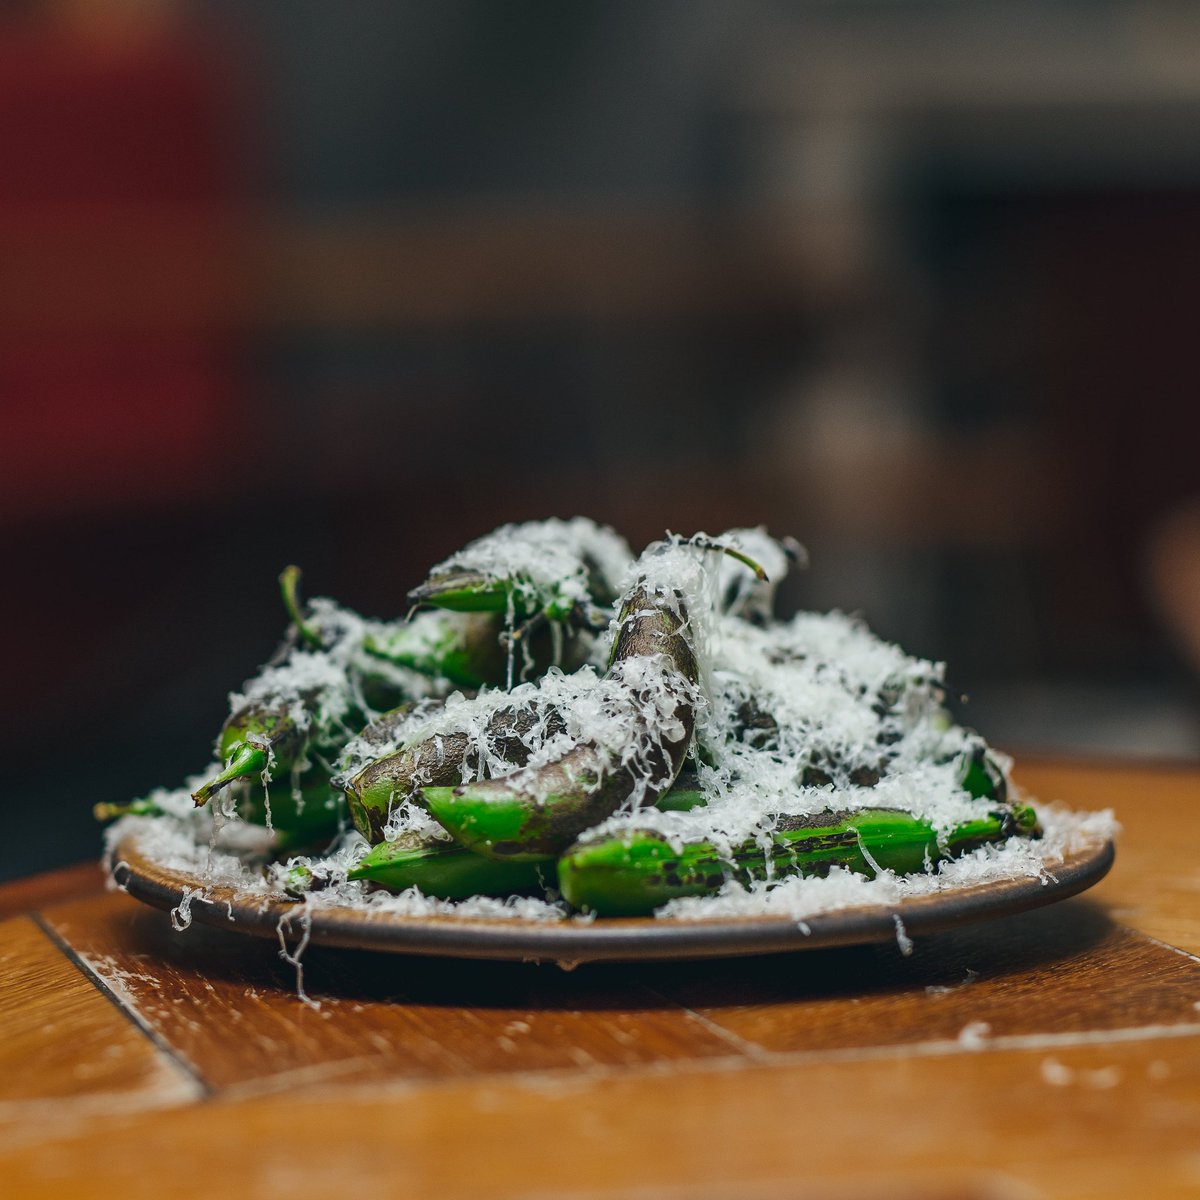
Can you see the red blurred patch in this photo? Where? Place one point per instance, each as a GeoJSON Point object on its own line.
{"type": "Point", "coordinates": [117, 269]}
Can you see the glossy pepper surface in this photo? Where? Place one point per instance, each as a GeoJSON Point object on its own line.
{"type": "Point", "coordinates": [636, 873]}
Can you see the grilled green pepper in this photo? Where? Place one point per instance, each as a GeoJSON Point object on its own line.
{"type": "Point", "coordinates": [378, 788]}
{"type": "Point", "coordinates": [443, 870]}
{"type": "Point", "coordinates": [634, 873]}
{"type": "Point", "coordinates": [463, 648]}
{"type": "Point", "coordinates": [447, 871]}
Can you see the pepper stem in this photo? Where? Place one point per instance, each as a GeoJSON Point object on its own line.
{"type": "Point", "coordinates": [733, 552]}
{"type": "Point", "coordinates": [137, 808]}
{"type": "Point", "coordinates": [289, 589]}
{"type": "Point", "coordinates": [246, 760]}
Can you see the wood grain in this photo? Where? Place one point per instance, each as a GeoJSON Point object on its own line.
{"type": "Point", "coordinates": [1088, 1121]}
{"type": "Point", "coordinates": [62, 1041]}
{"type": "Point", "coordinates": [1064, 969]}
{"type": "Point", "coordinates": [228, 1006]}
{"type": "Point", "coordinates": [1155, 885]}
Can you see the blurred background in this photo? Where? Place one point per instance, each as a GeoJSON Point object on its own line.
{"type": "Point", "coordinates": [349, 284]}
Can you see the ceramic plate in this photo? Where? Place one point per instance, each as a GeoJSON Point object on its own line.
{"type": "Point", "coordinates": [611, 939]}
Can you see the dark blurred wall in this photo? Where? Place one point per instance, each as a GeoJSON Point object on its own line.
{"type": "Point", "coordinates": [349, 284]}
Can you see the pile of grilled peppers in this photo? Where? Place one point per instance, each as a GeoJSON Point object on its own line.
{"type": "Point", "coordinates": [508, 819]}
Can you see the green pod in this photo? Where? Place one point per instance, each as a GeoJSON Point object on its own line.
{"type": "Point", "coordinates": [467, 592]}
{"type": "Point", "coordinates": [502, 824]}
{"type": "Point", "coordinates": [515, 598]}
{"type": "Point", "coordinates": [980, 775]}
{"type": "Point", "coordinates": [304, 809]}
{"type": "Point", "coordinates": [473, 650]}
{"type": "Point", "coordinates": [635, 873]}
{"type": "Point", "coordinates": [443, 870]}
{"type": "Point", "coordinates": [551, 570]}
{"type": "Point", "coordinates": [462, 648]}
{"type": "Point", "coordinates": [497, 820]}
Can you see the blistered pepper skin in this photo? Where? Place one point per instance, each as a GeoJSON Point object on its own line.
{"type": "Point", "coordinates": [444, 871]}
{"type": "Point", "coordinates": [640, 871]}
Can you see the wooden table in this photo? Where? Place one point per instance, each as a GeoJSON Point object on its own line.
{"type": "Point", "coordinates": [1051, 1054]}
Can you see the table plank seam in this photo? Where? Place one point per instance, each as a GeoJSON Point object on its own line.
{"type": "Point", "coordinates": [332, 1075]}
{"type": "Point", "coordinates": [949, 1047]}
{"type": "Point", "coordinates": [164, 1047]}
{"type": "Point", "coordinates": [555, 1080]}
{"type": "Point", "coordinates": [551, 1079]}
{"type": "Point", "coordinates": [1163, 945]}
{"type": "Point", "coordinates": [736, 1041]}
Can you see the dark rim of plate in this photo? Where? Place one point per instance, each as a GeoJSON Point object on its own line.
{"type": "Point", "coordinates": [604, 939]}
